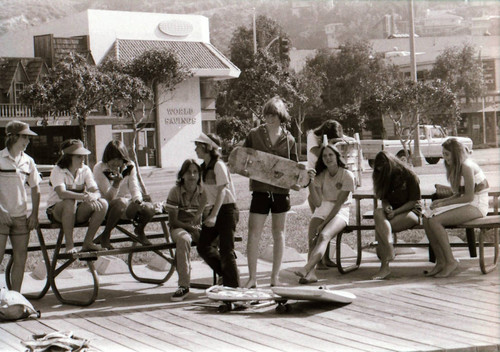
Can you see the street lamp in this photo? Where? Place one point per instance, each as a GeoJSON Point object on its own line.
{"type": "Point", "coordinates": [417, 155]}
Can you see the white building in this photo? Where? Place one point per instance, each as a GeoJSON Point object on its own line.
{"type": "Point", "coordinates": [124, 35]}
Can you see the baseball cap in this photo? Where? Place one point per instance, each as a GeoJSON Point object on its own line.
{"type": "Point", "coordinates": [17, 127]}
{"type": "Point", "coordinates": [76, 149]}
{"type": "Point", "coordinates": [203, 138]}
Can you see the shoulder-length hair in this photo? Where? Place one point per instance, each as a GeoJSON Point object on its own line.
{"type": "Point", "coordinates": [65, 160]}
{"type": "Point", "coordinates": [185, 167]}
{"type": "Point", "coordinates": [276, 106]}
{"type": "Point", "coordinates": [459, 153]}
{"type": "Point", "coordinates": [11, 140]}
{"type": "Point", "coordinates": [320, 164]}
{"type": "Point", "coordinates": [115, 149]}
{"type": "Point", "coordinates": [384, 168]}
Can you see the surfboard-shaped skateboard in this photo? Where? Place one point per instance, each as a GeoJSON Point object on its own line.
{"type": "Point", "coordinates": [241, 298]}
{"type": "Point", "coordinates": [268, 168]}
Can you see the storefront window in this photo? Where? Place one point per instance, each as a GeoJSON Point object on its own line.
{"type": "Point", "coordinates": [145, 144]}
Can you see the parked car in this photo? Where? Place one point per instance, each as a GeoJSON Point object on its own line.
{"type": "Point", "coordinates": [431, 138]}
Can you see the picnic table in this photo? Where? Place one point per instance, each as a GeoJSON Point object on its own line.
{"type": "Point", "coordinates": [491, 221]}
{"type": "Point", "coordinates": [56, 263]}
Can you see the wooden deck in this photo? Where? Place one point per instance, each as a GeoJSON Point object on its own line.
{"type": "Point", "coordinates": [405, 313]}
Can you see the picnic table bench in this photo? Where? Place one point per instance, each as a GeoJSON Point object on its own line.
{"type": "Point", "coordinates": [491, 221]}
{"type": "Point", "coordinates": [165, 249]}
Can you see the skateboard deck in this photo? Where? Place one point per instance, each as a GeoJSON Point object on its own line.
{"type": "Point", "coordinates": [320, 293]}
{"type": "Point", "coordinates": [268, 168]}
{"type": "Point", "coordinates": [241, 298]}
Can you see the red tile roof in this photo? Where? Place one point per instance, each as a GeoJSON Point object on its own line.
{"type": "Point", "coordinates": [194, 55]}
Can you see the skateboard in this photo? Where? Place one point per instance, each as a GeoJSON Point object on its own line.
{"type": "Point", "coordinates": [268, 168]}
{"type": "Point", "coordinates": [242, 298]}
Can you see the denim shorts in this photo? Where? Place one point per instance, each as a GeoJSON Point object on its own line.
{"type": "Point", "coordinates": [19, 226]}
{"type": "Point", "coordinates": [263, 202]}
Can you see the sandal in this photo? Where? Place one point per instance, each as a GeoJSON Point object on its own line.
{"type": "Point", "coordinates": [71, 251]}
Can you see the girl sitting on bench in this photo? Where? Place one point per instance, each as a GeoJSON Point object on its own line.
{"type": "Point", "coordinates": [397, 186]}
{"type": "Point", "coordinates": [331, 190]}
{"type": "Point", "coordinates": [468, 202]}
{"type": "Point", "coordinates": [74, 197]}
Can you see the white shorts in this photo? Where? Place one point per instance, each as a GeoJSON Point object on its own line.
{"type": "Point", "coordinates": [326, 207]}
{"type": "Point", "coordinates": [480, 201]}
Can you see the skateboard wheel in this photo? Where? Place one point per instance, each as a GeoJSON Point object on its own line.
{"type": "Point", "coordinates": [224, 308]}
{"type": "Point", "coordinates": [283, 308]}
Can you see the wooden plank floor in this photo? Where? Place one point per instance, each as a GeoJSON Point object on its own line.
{"type": "Point", "coordinates": [408, 312]}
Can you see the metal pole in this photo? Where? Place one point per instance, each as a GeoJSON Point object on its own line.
{"type": "Point", "coordinates": [417, 155]}
{"type": "Point", "coordinates": [254, 33]}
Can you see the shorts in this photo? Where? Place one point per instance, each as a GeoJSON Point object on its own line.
{"type": "Point", "coordinates": [262, 202]}
{"type": "Point", "coordinates": [326, 207]}
{"type": "Point", "coordinates": [18, 227]}
{"type": "Point", "coordinates": [481, 202]}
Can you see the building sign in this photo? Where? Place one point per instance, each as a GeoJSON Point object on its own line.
{"type": "Point", "coordinates": [176, 28]}
{"type": "Point", "coordinates": [489, 74]}
{"type": "Point", "coordinates": [180, 116]}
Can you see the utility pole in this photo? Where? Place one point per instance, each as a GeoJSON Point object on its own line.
{"type": "Point", "coordinates": [417, 155]}
{"type": "Point", "coordinates": [254, 33]}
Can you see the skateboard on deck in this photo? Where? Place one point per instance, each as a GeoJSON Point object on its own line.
{"type": "Point", "coordinates": [310, 293]}
{"type": "Point", "coordinates": [268, 168]}
{"type": "Point", "coordinates": [242, 298]}
{"type": "Point", "coordinates": [230, 298]}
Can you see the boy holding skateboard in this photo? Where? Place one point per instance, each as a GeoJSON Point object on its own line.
{"type": "Point", "coordinates": [273, 138]}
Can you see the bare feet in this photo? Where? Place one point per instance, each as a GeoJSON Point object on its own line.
{"type": "Point", "coordinates": [448, 269]}
{"type": "Point", "coordinates": [251, 283]}
{"type": "Point", "coordinates": [382, 274]}
{"type": "Point", "coordinates": [90, 247]}
{"type": "Point", "coordinates": [437, 268]}
{"type": "Point", "coordinates": [142, 237]}
{"type": "Point", "coordinates": [328, 262]}
{"type": "Point", "coordinates": [301, 272]}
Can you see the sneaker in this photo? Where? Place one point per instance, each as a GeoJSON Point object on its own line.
{"type": "Point", "coordinates": [180, 294]}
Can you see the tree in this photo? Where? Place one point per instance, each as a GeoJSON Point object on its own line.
{"type": "Point", "coordinates": [461, 68]}
{"type": "Point", "coordinates": [348, 76]}
{"type": "Point", "coordinates": [73, 86]}
{"type": "Point", "coordinates": [269, 36]}
{"type": "Point", "coordinates": [309, 97]}
{"type": "Point", "coordinates": [262, 80]}
{"type": "Point", "coordinates": [138, 87]}
{"type": "Point", "coordinates": [407, 101]}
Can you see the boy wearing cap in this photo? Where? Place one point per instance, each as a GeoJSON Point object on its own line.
{"type": "Point", "coordinates": [74, 197]}
{"type": "Point", "coordinates": [16, 170]}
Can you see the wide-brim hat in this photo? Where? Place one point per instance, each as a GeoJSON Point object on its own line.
{"type": "Point", "coordinates": [203, 138]}
{"type": "Point", "coordinates": [76, 149]}
{"type": "Point", "coordinates": [18, 127]}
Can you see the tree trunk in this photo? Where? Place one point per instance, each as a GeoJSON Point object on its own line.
{"type": "Point", "coordinates": [144, 191]}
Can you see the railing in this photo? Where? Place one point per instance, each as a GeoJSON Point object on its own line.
{"type": "Point", "coordinates": [20, 110]}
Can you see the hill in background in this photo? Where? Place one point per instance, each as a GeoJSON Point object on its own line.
{"type": "Point", "coordinates": [304, 21]}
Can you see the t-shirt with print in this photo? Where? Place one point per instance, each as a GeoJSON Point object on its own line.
{"type": "Point", "coordinates": [215, 177]}
{"type": "Point", "coordinates": [331, 186]}
{"type": "Point", "coordinates": [83, 181]}
{"type": "Point", "coordinates": [187, 205]}
{"type": "Point", "coordinates": [14, 174]}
